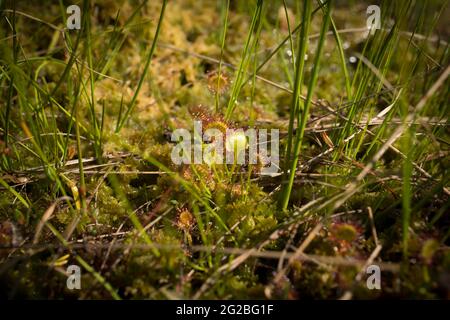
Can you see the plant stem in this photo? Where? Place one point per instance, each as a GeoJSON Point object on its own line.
{"type": "Point", "coordinates": [295, 100]}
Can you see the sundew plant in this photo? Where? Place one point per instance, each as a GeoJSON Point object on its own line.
{"type": "Point", "coordinates": [224, 149]}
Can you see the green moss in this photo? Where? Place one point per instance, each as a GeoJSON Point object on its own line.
{"type": "Point", "coordinates": [231, 207]}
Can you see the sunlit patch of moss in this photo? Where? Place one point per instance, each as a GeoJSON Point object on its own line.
{"type": "Point", "coordinates": [178, 79]}
{"type": "Point", "coordinates": [111, 210]}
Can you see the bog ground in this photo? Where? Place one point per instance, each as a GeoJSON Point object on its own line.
{"type": "Point", "coordinates": [93, 206]}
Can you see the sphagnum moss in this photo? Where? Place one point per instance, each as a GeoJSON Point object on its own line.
{"type": "Point", "coordinates": [90, 112]}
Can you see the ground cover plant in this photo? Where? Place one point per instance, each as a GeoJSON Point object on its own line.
{"type": "Point", "coordinates": [88, 180]}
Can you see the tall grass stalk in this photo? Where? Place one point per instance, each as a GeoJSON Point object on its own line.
{"type": "Point", "coordinates": [302, 115]}
{"type": "Point", "coordinates": [294, 110]}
